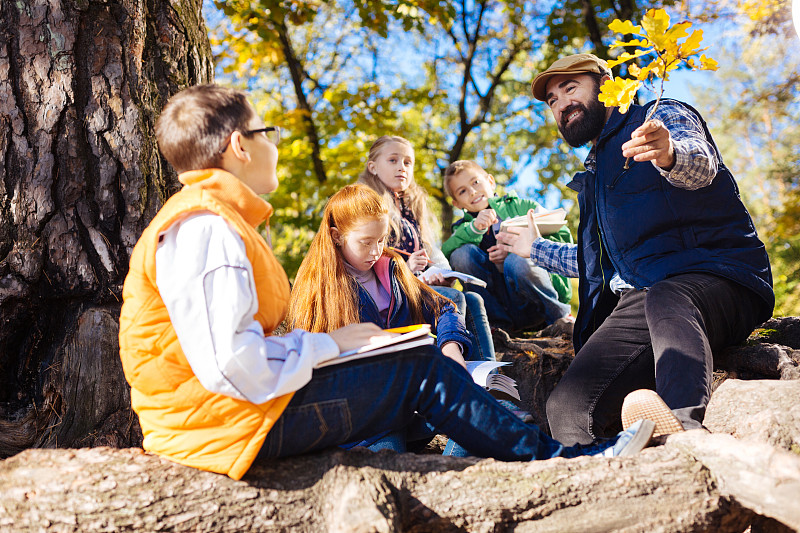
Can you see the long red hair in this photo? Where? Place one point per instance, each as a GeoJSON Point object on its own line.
{"type": "Point", "coordinates": [324, 295]}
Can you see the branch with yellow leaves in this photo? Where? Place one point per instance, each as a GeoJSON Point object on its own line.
{"type": "Point", "coordinates": [667, 53]}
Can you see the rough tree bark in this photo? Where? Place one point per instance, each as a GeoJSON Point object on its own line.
{"type": "Point", "coordinates": [696, 482]}
{"type": "Point", "coordinates": [81, 83]}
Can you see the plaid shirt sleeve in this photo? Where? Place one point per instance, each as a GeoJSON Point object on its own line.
{"type": "Point", "coordinates": [695, 158]}
{"type": "Point", "coordinates": [558, 257]}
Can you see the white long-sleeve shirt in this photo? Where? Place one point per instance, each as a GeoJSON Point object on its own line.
{"type": "Point", "coordinates": [207, 285]}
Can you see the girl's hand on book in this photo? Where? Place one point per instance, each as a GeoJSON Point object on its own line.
{"type": "Point", "coordinates": [520, 240]}
{"type": "Point", "coordinates": [418, 260]}
{"type": "Point", "coordinates": [453, 351]}
{"type": "Point", "coordinates": [435, 279]}
{"type": "Point", "coordinates": [357, 335]}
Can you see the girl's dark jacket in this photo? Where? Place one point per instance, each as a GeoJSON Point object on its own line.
{"type": "Point", "coordinates": [447, 326]}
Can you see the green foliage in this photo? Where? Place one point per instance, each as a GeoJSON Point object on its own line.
{"type": "Point", "coordinates": [451, 77]}
{"type": "Point", "coordinates": [569, 23]}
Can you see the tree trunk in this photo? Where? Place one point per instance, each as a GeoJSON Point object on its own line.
{"type": "Point", "coordinates": [81, 84]}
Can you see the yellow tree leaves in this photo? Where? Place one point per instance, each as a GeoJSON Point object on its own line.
{"type": "Point", "coordinates": [760, 10]}
{"type": "Point", "coordinates": [618, 92]}
{"type": "Point", "coordinates": [661, 43]}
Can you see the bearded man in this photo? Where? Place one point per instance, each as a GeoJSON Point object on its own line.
{"type": "Point", "coordinates": [670, 266]}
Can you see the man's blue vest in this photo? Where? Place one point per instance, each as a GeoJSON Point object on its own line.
{"type": "Point", "coordinates": [637, 224]}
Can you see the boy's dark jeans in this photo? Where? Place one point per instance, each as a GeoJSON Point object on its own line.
{"type": "Point", "coordinates": [353, 401]}
{"type": "Point", "coordinates": [519, 297]}
{"type": "Point", "coordinates": [661, 339]}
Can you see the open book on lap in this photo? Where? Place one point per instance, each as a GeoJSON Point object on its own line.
{"type": "Point", "coordinates": [548, 222]}
{"type": "Point", "coordinates": [410, 337]}
{"type": "Point", "coordinates": [446, 273]}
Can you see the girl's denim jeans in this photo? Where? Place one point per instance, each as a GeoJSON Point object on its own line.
{"type": "Point", "coordinates": [356, 400]}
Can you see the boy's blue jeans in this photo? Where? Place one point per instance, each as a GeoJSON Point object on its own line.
{"type": "Point", "coordinates": [471, 307]}
{"type": "Point", "coordinates": [353, 401]}
{"type": "Point", "coordinates": [520, 296]}
{"type": "Point", "coordinates": [469, 304]}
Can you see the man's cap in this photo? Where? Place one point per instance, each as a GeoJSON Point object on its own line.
{"type": "Point", "coordinates": [574, 64]}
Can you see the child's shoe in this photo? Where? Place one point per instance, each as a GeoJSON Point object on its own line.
{"type": "Point", "coordinates": [628, 442]}
{"type": "Point", "coordinates": [645, 403]}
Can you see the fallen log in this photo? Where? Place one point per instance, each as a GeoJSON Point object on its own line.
{"type": "Point", "coordinates": [753, 474]}
{"type": "Point", "coordinates": [696, 482]}
{"type": "Point", "coordinates": [678, 487]}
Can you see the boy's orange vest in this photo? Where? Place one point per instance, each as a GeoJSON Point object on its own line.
{"type": "Point", "coordinates": [180, 419]}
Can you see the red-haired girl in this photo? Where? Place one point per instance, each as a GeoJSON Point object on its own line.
{"type": "Point", "coordinates": [350, 276]}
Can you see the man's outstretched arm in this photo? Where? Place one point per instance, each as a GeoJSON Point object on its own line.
{"type": "Point", "coordinates": [674, 140]}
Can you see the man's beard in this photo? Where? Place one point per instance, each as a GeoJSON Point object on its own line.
{"type": "Point", "coordinates": [586, 127]}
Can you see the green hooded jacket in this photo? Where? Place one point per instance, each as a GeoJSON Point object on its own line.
{"type": "Point", "coordinates": [508, 206]}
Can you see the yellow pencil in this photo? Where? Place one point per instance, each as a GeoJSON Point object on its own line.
{"type": "Point", "coordinates": [404, 253]}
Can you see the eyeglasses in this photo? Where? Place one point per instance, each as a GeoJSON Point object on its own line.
{"type": "Point", "coordinates": [273, 134]}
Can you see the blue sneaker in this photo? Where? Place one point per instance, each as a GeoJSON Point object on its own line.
{"type": "Point", "coordinates": [626, 443]}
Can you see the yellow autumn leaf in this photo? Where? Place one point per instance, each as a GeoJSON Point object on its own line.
{"type": "Point", "coordinates": [679, 30]}
{"type": "Point", "coordinates": [671, 37]}
{"type": "Point", "coordinates": [624, 28]}
{"type": "Point", "coordinates": [692, 44]}
{"type": "Point", "coordinates": [670, 57]}
{"type": "Point", "coordinates": [645, 71]}
{"type": "Point", "coordinates": [657, 68]}
{"type": "Point", "coordinates": [671, 48]}
{"type": "Point", "coordinates": [618, 92]}
{"type": "Point", "coordinates": [708, 63]}
{"type": "Point", "coordinates": [655, 22]}
{"type": "Point", "coordinates": [626, 56]}
{"type": "Point", "coordinates": [632, 42]}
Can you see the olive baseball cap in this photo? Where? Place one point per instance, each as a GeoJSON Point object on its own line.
{"type": "Point", "coordinates": [573, 64]}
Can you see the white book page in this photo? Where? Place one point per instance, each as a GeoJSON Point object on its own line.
{"type": "Point", "coordinates": [479, 370]}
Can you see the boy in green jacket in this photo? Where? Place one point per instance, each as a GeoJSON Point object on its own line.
{"type": "Point", "coordinates": [518, 294]}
